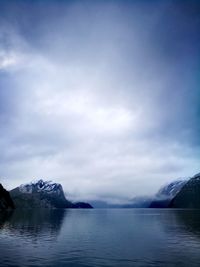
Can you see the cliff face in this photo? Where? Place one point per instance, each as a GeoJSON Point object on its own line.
{"type": "Point", "coordinates": [5, 199]}
{"type": "Point", "coordinates": [189, 195]}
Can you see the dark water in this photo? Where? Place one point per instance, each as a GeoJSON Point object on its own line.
{"type": "Point", "coordinates": [128, 237]}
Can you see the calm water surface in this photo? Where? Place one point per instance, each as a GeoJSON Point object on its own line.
{"type": "Point", "coordinates": [112, 237]}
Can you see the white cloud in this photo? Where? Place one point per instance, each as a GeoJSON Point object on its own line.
{"type": "Point", "coordinates": [8, 60]}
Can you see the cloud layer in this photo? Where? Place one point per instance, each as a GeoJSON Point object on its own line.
{"type": "Point", "coordinates": [102, 97]}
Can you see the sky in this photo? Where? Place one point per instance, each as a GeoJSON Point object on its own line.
{"type": "Point", "coordinates": [100, 96]}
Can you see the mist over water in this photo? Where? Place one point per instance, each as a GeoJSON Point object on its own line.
{"type": "Point", "coordinates": [141, 237]}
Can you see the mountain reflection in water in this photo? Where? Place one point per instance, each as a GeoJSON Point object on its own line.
{"type": "Point", "coordinates": [91, 238]}
{"type": "Point", "coordinates": [35, 224]}
{"type": "Point", "coordinates": [189, 221]}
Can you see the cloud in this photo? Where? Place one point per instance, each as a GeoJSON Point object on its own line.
{"type": "Point", "coordinates": [7, 61]}
{"type": "Point", "coordinates": [91, 99]}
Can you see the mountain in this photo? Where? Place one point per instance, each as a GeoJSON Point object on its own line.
{"type": "Point", "coordinates": [160, 200]}
{"type": "Point", "coordinates": [5, 199]}
{"type": "Point", "coordinates": [170, 190]}
{"type": "Point", "coordinates": [189, 195]}
{"type": "Point", "coordinates": [101, 204]}
{"type": "Point", "coordinates": [42, 194]}
{"type": "Point", "coordinates": [139, 202]}
{"type": "Point", "coordinates": [164, 196]}
{"type": "Point", "coordinates": [82, 205]}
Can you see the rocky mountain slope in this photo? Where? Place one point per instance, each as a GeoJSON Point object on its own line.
{"type": "Point", "coordinates": [164, 196]}
{"type": "Point", "coordinates": [189, 195]}
{"type": "Point", "coordinates": [5, 199]}
{"type": "Point", "coordinates": [161, 199]}
{"type": "Point", "coordinates": [42, 194]}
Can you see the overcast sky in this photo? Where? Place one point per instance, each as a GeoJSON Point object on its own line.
{"type": "Point", "coordinates": [100, 96]}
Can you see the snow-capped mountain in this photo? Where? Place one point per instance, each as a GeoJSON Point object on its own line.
{"type": "Point", "coordinates": [41, 186]}
{"type": "Point", "coordinates": [43, 194]}
{"type": "Point", "coordinates": [167, 193]}
{"type": "Point", "coordinates": [161, 199]}
{"type": "Point", "coordinates": [197, 176]}
{"type": "Point", "coordinates": [189, 195]}
{"type": "Point", "coordinates": [171, 189]}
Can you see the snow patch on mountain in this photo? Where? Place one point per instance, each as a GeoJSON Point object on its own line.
{"type": "Point", "coordinates": [196, 176]}
{"type": "Point", "coordinates": [171, 189]}
{"type": "Point", "coordinates": [41, 186]}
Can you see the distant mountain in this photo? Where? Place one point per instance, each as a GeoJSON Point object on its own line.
{"type": "Point", "coordinates": [164, 196]}
{"type": "Point", "coordinates": [139, 202]}
{"type": "Point", "coordinates": [82, 205]}
{"type": "Point", "coordinates": [171, 189]}
{"type": "Point", "coordinates": [160, 200]}
{"type": "Point", "coordinates": [42, 194]}
{"type": "Point", "coordinates": [100, 204]}
{"type": "Point", "coordinates": [5, 199]}
{"type": "Point", "coordinates": [189, 195]}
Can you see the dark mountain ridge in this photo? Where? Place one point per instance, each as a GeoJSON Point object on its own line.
{"type": "Point", "coordinates": [6, 201]}
{"type": "Point", "coordinates": [43, 194]}
{"type": "Point", "coordinates": [166, 193]}
{"type": "Point", "coordinates": [189, 196]}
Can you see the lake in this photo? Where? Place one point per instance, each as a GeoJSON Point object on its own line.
{"type": "Point", "coordinates": [100, 237]}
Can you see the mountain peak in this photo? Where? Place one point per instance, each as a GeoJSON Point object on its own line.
{"type": "Point", "coordinates": [43, 194]}
{"type": "Point", "coordinates": [41, 185]}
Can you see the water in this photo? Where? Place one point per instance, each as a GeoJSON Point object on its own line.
{"type": "Point", "coordinates": [112, 237]}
